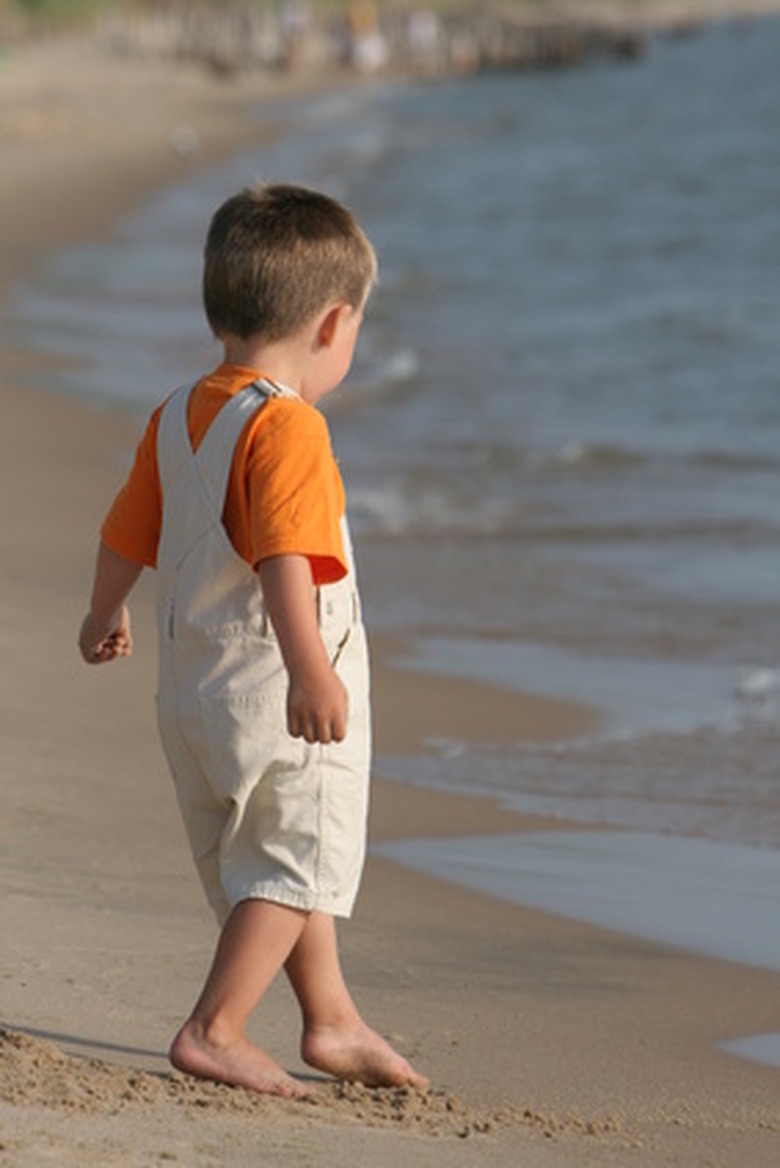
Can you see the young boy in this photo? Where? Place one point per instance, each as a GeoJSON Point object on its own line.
{"type": "Point", "coordinates": [236, 500]}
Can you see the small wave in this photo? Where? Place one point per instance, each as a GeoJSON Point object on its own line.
{"type": "Point", "coordinates": [414, 508]}
{"type": "Point", "coordinates": [759, 691]}
{"type": "Point", "coordinates": [737, 532]}
{"type": "Point", "coordinates": [402, 365]}
{"type": "Point", "coordinates": [584, 454]}
{"type": "Point", "coordinates": [502, 454]}
{"type": "Point", "coordinates": [733, 460]}
{"type": "Point", "coordinates": [390, 511]}
{"type": "Point", "coordinates": [378, 372]}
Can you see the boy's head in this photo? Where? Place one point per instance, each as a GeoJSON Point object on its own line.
{"type": "Point", "coordinates": [278, 255]}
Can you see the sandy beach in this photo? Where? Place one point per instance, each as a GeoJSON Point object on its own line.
{"type": "Point", "coordinates": [548, 1043]}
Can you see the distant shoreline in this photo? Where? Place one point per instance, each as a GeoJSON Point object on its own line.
{"type": "Point", "coordinates": [368, 38]}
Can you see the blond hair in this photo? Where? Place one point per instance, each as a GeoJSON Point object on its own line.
{"type": "Point", "coordinates": [277, 255]}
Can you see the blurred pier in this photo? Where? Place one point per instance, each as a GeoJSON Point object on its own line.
{"type": "Point", "coordinates": [368, 38]}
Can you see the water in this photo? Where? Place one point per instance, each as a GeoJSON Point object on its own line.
{"type": "Point", "coordinates": [560, 437]}
{"type": "Point", "coordinates": [720, 900]}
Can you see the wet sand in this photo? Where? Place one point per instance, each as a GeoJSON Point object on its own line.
{"type": "Point", "coordinates": [548, 1042]}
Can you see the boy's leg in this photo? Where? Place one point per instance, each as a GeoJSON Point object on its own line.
{"type": "Point", "coordinates": [254, 944]}
{"type": "Point", "coordinates": [335, 1037]}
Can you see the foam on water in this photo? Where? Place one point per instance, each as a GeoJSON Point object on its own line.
{"type": "Point", "coordinates": [759, 1048]}
{"type": "Point", "coordinates": [635, 696]}
{"type": "Point", "coordinates": [719, 900]}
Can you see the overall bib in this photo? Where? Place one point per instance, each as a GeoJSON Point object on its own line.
{"type": "Point", "coordinates": [267, 815]}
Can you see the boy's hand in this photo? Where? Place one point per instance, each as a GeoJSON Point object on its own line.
{"type": "Point", "coordinates": [317, 706]}
{"type": "Point", "coordinates": [100, 645]}
{"type": "Point", "coordinates": [316, 697]}
{"type": "Point", "coordinates": [105, 632]}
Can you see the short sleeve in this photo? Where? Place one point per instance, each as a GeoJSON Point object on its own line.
{"type": "Point", "coordinates": [295, 493]}
{"type": "Point", "coordinates": [132, 526]}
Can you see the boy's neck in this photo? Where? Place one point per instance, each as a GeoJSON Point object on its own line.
{"type": "Point", "coordinates": [280, 360]}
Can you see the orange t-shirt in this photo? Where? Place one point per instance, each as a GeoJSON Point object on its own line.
{"type": "Point", "coordinates": [284, 493]}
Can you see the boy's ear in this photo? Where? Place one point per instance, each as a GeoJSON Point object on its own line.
{"type": "Point", "coordinates": [329, 324]}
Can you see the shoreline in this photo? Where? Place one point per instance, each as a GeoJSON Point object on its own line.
{"type": "Point", "coordinates": [550, 1042]}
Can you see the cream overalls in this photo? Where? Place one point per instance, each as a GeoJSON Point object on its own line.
{"type": "Point", "coordinates": [268, 816]}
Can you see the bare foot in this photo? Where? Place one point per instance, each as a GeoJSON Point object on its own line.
{"type": "Point", "coordinates": [239, 1064]}
{"type": "Point", "coordinates": [356, 1053]}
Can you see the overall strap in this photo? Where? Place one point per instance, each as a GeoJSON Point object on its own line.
{"type": "Point", "coordinates": [214, 457]}
{"type": "Point", "coordinates": [174, 448]}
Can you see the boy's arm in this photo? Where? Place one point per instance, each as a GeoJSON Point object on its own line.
{"type": "Point", "coordinates": [105, 632]}
{"type": "Point", "coordinates": [316, 698]}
